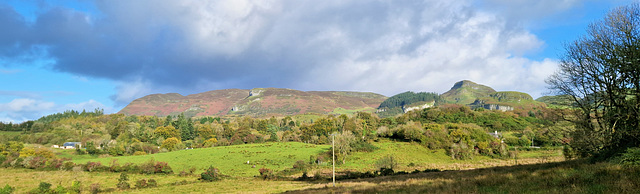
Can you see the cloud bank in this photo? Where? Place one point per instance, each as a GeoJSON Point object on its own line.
{"type": "Point", "coordinates": [191, 46]}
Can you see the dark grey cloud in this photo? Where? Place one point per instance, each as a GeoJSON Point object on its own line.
{"type": "Point", "coordinates": [193, 46]}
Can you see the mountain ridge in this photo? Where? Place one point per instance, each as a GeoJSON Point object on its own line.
{"type": "Point", "coordinates": [253, 102]}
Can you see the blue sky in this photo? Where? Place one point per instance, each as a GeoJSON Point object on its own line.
{"type": "Point", "coordinates": [61, 55]}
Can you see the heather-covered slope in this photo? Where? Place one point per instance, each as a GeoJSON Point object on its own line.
{"type": "Point", "coordinates": [255, 102]}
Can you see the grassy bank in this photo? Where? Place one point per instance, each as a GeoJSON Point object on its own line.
{"type": "Point", "coordinates": [557, 177]}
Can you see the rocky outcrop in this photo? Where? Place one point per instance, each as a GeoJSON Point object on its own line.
{"type": "Point", "coordinates": [426, 105]}
{"type": "Point", "coordinates": [502, 108]}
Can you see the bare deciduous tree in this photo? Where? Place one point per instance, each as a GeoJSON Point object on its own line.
{"type": "Point", "coordinates": [600, 71]}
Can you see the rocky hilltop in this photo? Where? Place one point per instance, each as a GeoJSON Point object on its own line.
{"type": "Point", "coordinates": [480, 96]}
{"type": "Point", "coordinates": [254, 102]}
{"type": "Point", "coordinates": [466, 92]}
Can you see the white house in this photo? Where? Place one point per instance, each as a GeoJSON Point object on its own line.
{"type": "Point", "coordinates": [71, 145]}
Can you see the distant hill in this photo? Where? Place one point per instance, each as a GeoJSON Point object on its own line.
{"type": "Point", "coordinates": [404, 102]}
{"type": "Point", "coordinates": [560, 101]}
{"type": "Point", "coordinates": [466, 92]}
{"type": "Point", "coordinates": [505, 101]}
{"type": "Point", "coordinates": [255, 102]}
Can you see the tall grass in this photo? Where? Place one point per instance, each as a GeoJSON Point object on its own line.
{"type": "Point", "coordinates": [559, 177]}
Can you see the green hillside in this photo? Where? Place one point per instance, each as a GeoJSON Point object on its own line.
{"type": "Point", "coordinates": [560, 101]}
{"type": "Point", "coordinates": [231, 160]}
{"type": "Point", "coordinates": [466, 92]}
{"type": "Point", "coordinates": [510, 99]}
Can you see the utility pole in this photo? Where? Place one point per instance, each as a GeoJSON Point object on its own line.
{"type": "Point", "coordinates": [333, 150]}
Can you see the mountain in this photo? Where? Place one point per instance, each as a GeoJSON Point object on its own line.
{"type": "Point", "coordinates": [507, 101]}
{"type": "Point", "coordinates": [466, 92]}
{"type": "Point", "coordinates": [254, 102]}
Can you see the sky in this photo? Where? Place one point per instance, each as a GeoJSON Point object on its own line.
{"type": "Point", "coordinates": [83, 54]}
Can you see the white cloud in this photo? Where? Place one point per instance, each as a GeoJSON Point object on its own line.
{"type": "Point", "coordinates": [129, 91]}
{"type": "Point", "coordinates": [26, 105]}
{"type": "Point", "coordinates": [380, 46]}
{"type": "Point", "coordinates": [23, 109]}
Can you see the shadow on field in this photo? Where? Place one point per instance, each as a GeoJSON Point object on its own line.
{"type": "Point", "coordinates": [576, 176]}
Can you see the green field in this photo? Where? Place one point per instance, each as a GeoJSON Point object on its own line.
{"type": "Point", "coordinates": [240, 177]}
{"type": "Point", "coordinates": [577, 176]}
{"type": "Point", "coordinates": [25, 180]}
{"type": "Point", "coordinates": [10, 134]}
{"type": "Point", "coordinates": [231, 160]}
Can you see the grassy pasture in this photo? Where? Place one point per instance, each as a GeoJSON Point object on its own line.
{"type": "Point", "coordinates": [411, 156]}
{"type": "Point", "coordinates": [231, 160]}
{"type": "Point", "coordinates": [24, 180]}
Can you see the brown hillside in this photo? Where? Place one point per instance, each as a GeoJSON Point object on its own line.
{"type": "Point", "coordinates": [255, 102]}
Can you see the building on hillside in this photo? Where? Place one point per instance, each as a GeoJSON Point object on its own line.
{"type": "Point", "coordinates": [71, 145]}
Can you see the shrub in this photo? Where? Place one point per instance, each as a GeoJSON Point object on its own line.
{"type": "Point", "coordinates": [44, 187]}
{"type": "Point", "coordinates": [34, 162]}
{"type": "Point", "coordinates": [148, 167]}
{"type": "Point", "coordinates": [387, 162]}
{"type": "Point", "coordinates": [318, 176]}
{"type": "Point", "coordinates": [54, 164]}
{"type": "Point", "coordinates": [210, 142]}
{"type": "Point", "coordinates": [631, 157]}
{"type": "Point", "coordinates": [512, 141]}
{"type": "Point", "coordinates": [460, 151]}
{"type": "Point", "coordinates": [304, 177]}
{"type": "Point", "coordinates": [363, 146]}
{"type": "Point", "coordinates": [80, 151]}
{"type": "Point", "coordinates": [122, 181]}
{"type": "Point", "coordinates": [266, 173]}
{"type": "Point", "coordinates": [7, 189]}
{"type": "Point", "coordinates": [93, 166]}
{"type": "Point", "coordinates": [142, 183]}
{"type": "Point", "coordinates": [115, 167]}
{"type": "Point", "coordinates": [210, 174]}
{"type": "Point", "coordinates": [94, 188]}
{"type": "Point", "coordinates": [152, 183]}
{"type": "Point", "coordinates": [76, 187]}
{"type": "Point", "coordinates": [68, 165]}
{"type": "Point", "coordinates": [386, 171]}
{"type": "Point", "coordinates": [130, 168]}
{"type": "Point", "coordinates": [162, 167]}
{"type": "Point", "coordinates": [60, 189]}
{"type": "Point", "coordinates": [300, 165]}
{"type": "Point", "coordinates": [171, 143]}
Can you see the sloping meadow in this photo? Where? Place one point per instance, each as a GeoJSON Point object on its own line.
{"type": "Point", "coordinates": [236, 161]}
